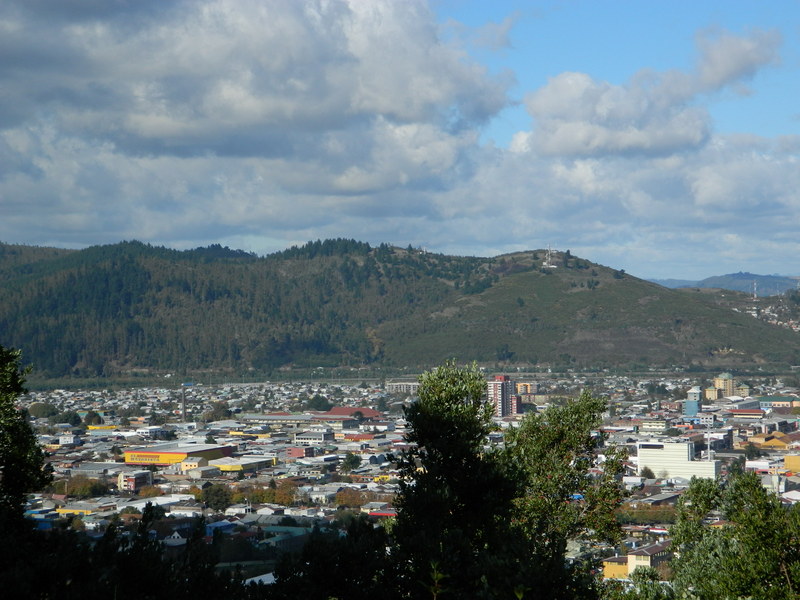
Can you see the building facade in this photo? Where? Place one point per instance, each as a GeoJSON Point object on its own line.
{"type": "Point", "coordinates": [498, 391]}
{"type": "Point", "coordinates": [675, 459]}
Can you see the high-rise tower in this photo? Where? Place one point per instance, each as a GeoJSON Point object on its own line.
{"type": "Point", "coordinates": [499, 391]}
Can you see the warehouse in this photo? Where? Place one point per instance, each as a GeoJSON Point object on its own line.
{"type": "Point", "coordinates": [174, 452]}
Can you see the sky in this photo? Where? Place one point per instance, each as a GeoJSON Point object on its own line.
{"type": "Point", "coordinates": [662, 138]}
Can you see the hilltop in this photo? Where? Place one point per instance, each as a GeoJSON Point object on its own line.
{"type": "Point", "coordinates": [134, 308]}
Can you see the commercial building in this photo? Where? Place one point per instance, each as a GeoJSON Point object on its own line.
{"type": "Point", "coordinates": [676, 459]}
{"type": "Point", "coordinates": [133, 481]}
{"type": "Point", "coordinates": [174, 452]}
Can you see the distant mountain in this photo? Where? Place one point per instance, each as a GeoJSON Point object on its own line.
{"type": "Point", "coordinates": [674, 283]}
{"type": "Point", "coordinates": [132, 308]}
{"type": "Point", "coordinates": [765, 285]}
{"type": "Point", "coordinates": [762, 285]}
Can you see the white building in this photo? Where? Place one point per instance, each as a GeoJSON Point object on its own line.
{"type": "Point", "coordinates": [676, 459]}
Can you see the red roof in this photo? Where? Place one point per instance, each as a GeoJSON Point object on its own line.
{"type": "Point", "coordinates": [359, 436]}
{"type": "Point", "coordinates": [349, 411]}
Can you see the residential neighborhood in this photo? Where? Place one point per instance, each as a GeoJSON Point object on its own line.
{"type": "Point", "coordinates": [266, 463]}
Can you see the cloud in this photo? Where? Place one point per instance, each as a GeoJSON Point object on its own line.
{"type": "Point", "coordinates": [653, 114]}
{"type": "Point", "coordinates": [261, 124]}
{"type": "Point", "coordinates": [496, 36]}
{"type": "Point", "coordinates": [726, 58]}
{"type": "Point", "coordinates": [253, 77]}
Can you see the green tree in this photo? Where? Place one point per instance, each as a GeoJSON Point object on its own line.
{"type": "Point", "coordinates": [41, 410]}
{"type": "Point", "coordinates": [21, 458]}
{"type": "Point", "coordinates": [455, 497]}
{"type": "Point", "coordinates": [564, 497]}
{"type": "Point", "coordinates": [92, 418]}
{"type": "Point", "coordinates": [351, 462]}
{"type": "Point", "coordinates": [751, 452]}
{"type": "Point", "coordinates": [755, 555]}
{"type": "Point", "coordinates": [218, 496]}
{"type": "Point", "coordinates": [69, 416]}
{"type": "Point", "coordinates": [331, 565]}
{"type": "Point", "coordinates": [219, 412]}
{"type": "Point", "coordinates": [318, 402]}
{"type": "Point", "coordinates": [647, 473]}
{"type": "Point", "coordinates": [81, 486]}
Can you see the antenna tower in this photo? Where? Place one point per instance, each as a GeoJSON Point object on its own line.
{"type": "Point", "coordinates": [548, 259]}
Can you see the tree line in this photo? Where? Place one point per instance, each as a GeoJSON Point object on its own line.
{"type": "Point", "coordinates": [108, 309]}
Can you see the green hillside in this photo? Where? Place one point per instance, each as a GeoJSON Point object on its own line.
{"type": "Point", "coordinates": [131, 308]}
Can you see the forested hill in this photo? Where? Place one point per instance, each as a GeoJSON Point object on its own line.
{"type": "Point", "coordinates": [130, 307]}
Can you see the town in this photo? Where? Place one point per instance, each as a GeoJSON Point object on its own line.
{"type": "Point", "coordinates": [266, 463]}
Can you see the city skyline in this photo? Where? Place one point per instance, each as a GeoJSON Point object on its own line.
{"type": "Point", "coordinates": [660, 139]}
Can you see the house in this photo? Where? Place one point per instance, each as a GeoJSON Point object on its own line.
{"type": "Point", "coordinates": [655, 556]}
{"type": "Point", "coordinates": [221, 526]}
{"type": "Point", "coordinates": [374, 506]}
{"type": "Point", "coordinates": [615, 567]}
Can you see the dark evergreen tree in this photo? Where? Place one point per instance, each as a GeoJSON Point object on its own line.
{"type": "Point", "coordinates": [453, 527]}
{"type": "Point", "coordinates": [21, 458]}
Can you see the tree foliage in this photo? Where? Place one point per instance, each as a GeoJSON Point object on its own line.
{"type": "Point", "coordinates": [353, 566]}
{"type": "Point", "coordinates": [218, 496]}
{"type": "Point", "coordinates": [565, 496]}
{"type": "Point", "coordinates": [754, 554]}
{"type": "Point", "coordinates": [21, 458]}
{"type": "Point", "coordinates": [478, 521]}
{"type": "Point", "coordinates": [125, 567]}
{"type": "Point", "coordinates": [351, 462]}
{"type": "Point", "coordinates": [455, 498]}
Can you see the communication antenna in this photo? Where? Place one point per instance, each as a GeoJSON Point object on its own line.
{"type": "Point", "coordinates": [548, 259]}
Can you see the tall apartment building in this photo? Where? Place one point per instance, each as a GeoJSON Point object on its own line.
{"type": "Point", "coordinates": [499, 391]}
{"type": "Point", "coordinates": [725, 383]}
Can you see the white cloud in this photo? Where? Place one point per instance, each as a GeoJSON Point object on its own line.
{"type": "Point", "coordinates": [653, 114]}
{"type": "Point", "coordinates": [727, 58]}
{"type": "Point", "coordinates": [268, 123]}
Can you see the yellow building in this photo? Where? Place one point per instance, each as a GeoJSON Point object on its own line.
{"type": "Point", "coordinates": [78, 509]}
{"type": "Point", "coordinates": [791, 462]}
{"type": "Point", "coordinates": [525, 387]}
{"type": "Point", "coordinates": [245, 464]}
{"type": "Point", "coordinates": [174, 452]}
{"type": "Point", "coordinates": [725, 383]}
{"type": "Point", "coordinates": [81, 509]}
{"type": "Point", "coordinates": [615, 567]}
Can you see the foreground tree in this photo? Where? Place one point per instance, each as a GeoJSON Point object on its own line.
{"type": "Point", "coordinates": [453, 529]}
{"type": "Point", "coordinates": [566, 497]}
{"type": "Point", "coordinates": [483, 522]}
{"type": "Point", "coordinates": [754, 554]}
{"type": "Point", "coordinates": [21, 458]}
{"type": "Point", "coordinates": [351, 565]}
